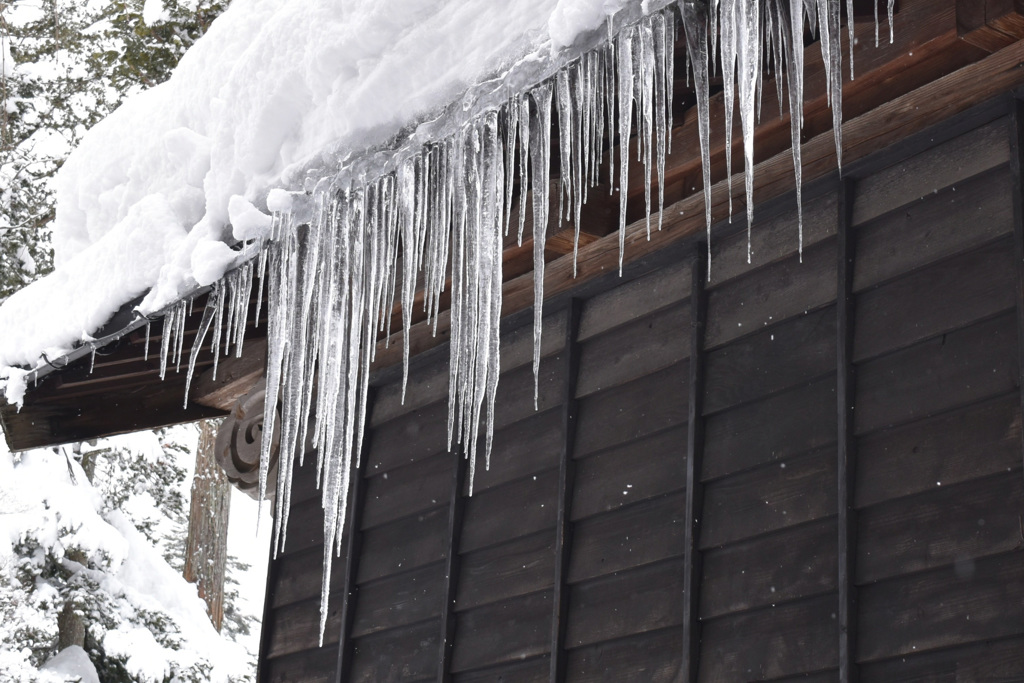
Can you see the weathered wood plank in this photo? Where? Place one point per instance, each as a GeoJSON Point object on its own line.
{"type": "Point", "coordinates": [628, 537]}
{"type": "Point", "coordinates": [524, 565]}
{"type": "Point", "coordinates": [514, 401]}
{"type": "Point", "coordinates": [635, 299]}
{"type": "Point", "coordinates": [296, 627]}
{"type": "Point", "coordinates": [973, 442]}
{"type": "Point", "coordinates": [634, 410]}
{"type": "Point", "coordinates": [627, 474]}
{"type": "Point", "coordinates": [629, 352]}
{"type": "Point", "coordinates": [768, 296]}
{"type": "Point", "coordinates": [958, 368]}
{"type": "Point", "coordinates": [305, 527]}
{"type": "Point", "coordinates": [316, 665]}
{"type": "Point", "coordinates": [534, 670]}
{"type": "Point", "coordinates": [403, 545]}
{"type": "Point", "coordinates": [411, 437]}
{"type": "Point", "coordinates": [769, 430]}
{"type": "Point", "coordinates": [949, 524]}
{"type": "Point", "coordinates": [627, 603]}
{"type": "Point", "coordinates": [932, 170]}
{"type": "Point", "coordinates": [521, 449]}
{"type": "Point", "coordinates": [787, 355]}
{"type": "Point", "coordinates": [771, 643]}
{"type": "Point", "coordinates": [789, 565]}
{"type": "Point", "coordinates": [399, 600]}
{"type": "Point", "coordinates": [510, 511]}
{"type": "Point", "coordinates": [408, 490]}
{"type": "Point", "coordinates": [299, 576]}
{"type": "Point", "coordinates": [971, 601]}
{"type": "Point", "coordinates": [769, 498]}
{"type": "Point", "coordinates": [650, 657]}
{"type": "Point", "coordinates": [771, 240]}
{"type": "Point", "coordinates": [937, 226]}
{"type": "Point", "coordinates": [403, 654]}
{"type": "Point", "coordinates": [1001, 661]}
{"type": "Point", "coordinates": [939, 299]}
{"type": "Point", "coordinates": [503, 632]}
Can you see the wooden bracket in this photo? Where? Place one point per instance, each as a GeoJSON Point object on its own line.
{"type": "Point", "coordinates": [235, 377]}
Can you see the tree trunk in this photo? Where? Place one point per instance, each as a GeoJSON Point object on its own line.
{"type": "Point", "coordinates": [206, 550]}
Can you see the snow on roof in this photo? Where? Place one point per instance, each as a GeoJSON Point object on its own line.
{"type": "Point", "coordinates": [147, 201]}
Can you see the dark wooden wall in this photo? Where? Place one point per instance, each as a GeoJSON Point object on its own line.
{"type": "Point", "coordinates": [854, 420]}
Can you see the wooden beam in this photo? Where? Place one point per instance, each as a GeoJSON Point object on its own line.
{"type": "Point", "coordinates": [990, 24]}
{"type": "Point", "coordinates": [235, 377]}
{"type": "Point", "coordinates": [846, 452]}
{"type": "Point", "coordinates": [456, 509]}
{"type": "Point", "coordinates": [566, 485]}
{"type": "Point", "coordinates": [694, 512]}
{"type": "Point", "coordinates": [1017, 166]}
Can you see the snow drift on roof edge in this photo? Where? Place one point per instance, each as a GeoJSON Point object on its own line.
{"type": "Point", "coordinates": [143, 203]}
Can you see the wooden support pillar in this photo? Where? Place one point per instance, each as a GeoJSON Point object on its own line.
{"type": "Point", "coordinates": [846, 470]}
{"type": "Point", "coordinates": [456, 507]}
{"type": "Point", "coordinates": [1017, 167]}
{"type": "Point", "coordinates": [566, 485]}
{"type": "Point", "coordinates": [692, 566]}
{"type": "Point", "coordinates": [206, 548]}
{"type": "Point", "coordinates": [353, 549]}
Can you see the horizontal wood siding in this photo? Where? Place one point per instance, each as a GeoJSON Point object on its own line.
{"type": "Point", "coordinates": [568, 560]}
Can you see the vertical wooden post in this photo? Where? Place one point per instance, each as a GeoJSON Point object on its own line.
{"type": "Point", "coordinates": [1017, 167]}
{"type": "Point", "coordinates": [353, 547]}
{"type": "Point", "coordinates": [206, 548]}
{"type": "Point", "coordinates": [566, 484]}
{"type": "Point", "coordinates": [846, 470]}
{"type": "Point", "coordinates": [456, 507]}
{"type": "Point", "coordinates": [693, 567]}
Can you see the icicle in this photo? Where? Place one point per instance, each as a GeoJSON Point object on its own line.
{"type": "Point", "coordinates": [540, 131]}
{"type": "Point", "coordinates": [212, 303]}
{"type": "Point", "coordinates": [892, 9]}
{"type": "Point", "coordinates": [795, 76]}
{"type": "Point", "coordinates": [849, 26]}
{"type": "Point", "coordinates": [92, 358]}
{"type": "Point", "coordinates": [145, 346]}
{"type": "Point", "coordinates": [624, 48]}
{"type": "Point", "coordinates": [695, 22]}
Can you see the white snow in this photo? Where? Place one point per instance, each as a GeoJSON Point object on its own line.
{"type": "Point", "coordinates": [251, 106]}
{"type": "Point", "coordinates": [72, 664]}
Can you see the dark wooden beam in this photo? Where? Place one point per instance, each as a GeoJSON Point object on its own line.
{"type": "Point", "coordinates": [235, 377]}
{"type": "Point", "coordinates": [566, 485]}
{"type": "Point", "coordinates": [692, 564]}
{"type": "Point", "coordinates": [990, 24]}
{"type": "Point", "coordinates": [456, 509]}
{"type": "Point", "coordinates": [1017, 167]}
{"type": "Point", "coordinates": [353, 550]}
{"type": "Point", "coordinates": [847, 464]}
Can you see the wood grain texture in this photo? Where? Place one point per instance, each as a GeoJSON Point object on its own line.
{"type": "Point", "coordinates": [408, 490]}
{"type": "Point", "coordinates": [968, 602]}
{"type": "Point", "coordinates": [651, 657]}
{"type": "Point", "coordinates": [636, 601]}
{"type": "Point", "coordinates": [945, 525]}
{"type": "Point", "coordinates": [297, 580]}
{"type": "Point", "coordinates": [786, 355]}
{"type": "Point", "coordinates": [400, 546]}
{"type": "Point", "coordinates": [1001, 661]}
{"type": "Point", "coordinates": [521, 566]}
{"type": "Point", "coordinates": [977, 441]}
{"type": "Point", "coordinates": [628, 537]}
{"type": "Point", "coordinates": [769, 498]}
{"type": "Point", "coordinates": [631, 351]}
{"type": "Point", "coordinates": [640, 408]}
{"type": "Point", "coordinates": [771, 643]}
{"type": "Point", "coordinates": [939, 299]}
{"type": "Point", "coordinates": [772, 295]}
{"type": "Point", "coordinates": [792, 564]}
{"type": "Point", "coordinates": [534, 670]}
{"type": "Point", "coordinates": [772, 429]}
{"type": "Point", "coordinates": [399, 600]}
{"type": "Point", "coordinates": [403, 654]}
{"type": "Point", "coordinates": [511, 511]}
{"type": "Point", "coordinates": [296, 627]}
{"type": "Point", "coordinates": [316, 665]}
{"type": "Point", "coordinates": [522, 449]}
{"type": "Point", "coordinates": [635, 299]}
{"type": "Point", "coordinates": [627, 474]}
{"type": "Point", "coordinates": [503, 632]}
{"type": "Point", "coordinates": [945, 372]}
{"type": "Point", "coordinates": [937, 226]}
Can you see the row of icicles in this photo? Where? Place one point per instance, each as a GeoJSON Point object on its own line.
{"type": "Point", "coordinates": [332, 279]}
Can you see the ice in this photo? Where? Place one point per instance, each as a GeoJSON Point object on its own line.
{"type": "Point", "coordinates": [540, 133]}
{"type": "Point", "coordinates": [695, 23]}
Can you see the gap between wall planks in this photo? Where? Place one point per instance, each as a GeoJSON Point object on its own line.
{"type": "Point", "coordinates": [862, 136]}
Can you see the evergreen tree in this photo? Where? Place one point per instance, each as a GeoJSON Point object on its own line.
{"type": "Point", "coordinates": [66, 64]}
